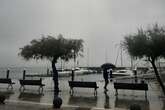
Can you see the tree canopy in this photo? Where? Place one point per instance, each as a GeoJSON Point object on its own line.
{"type": "Point", "coordinates": [148, 43]}
{"type": "Point", "coordinates": [52, 48]}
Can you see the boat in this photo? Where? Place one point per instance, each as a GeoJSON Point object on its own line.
{"type": "Point", "coordinates": [123, 72]}
{"type": "Point", "coordinates": [78, 71]}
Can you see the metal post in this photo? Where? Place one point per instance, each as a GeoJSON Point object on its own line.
{"type": "Point", "coordinates": [110, 74]}
{"type": "Point", "coordinates": [121, 57]}
{"type": "Point", "coordinates": [135, 74]}
{"type": "Point", "coordinates": [74, 60]}
{"type": "Point", "coordinates": [7, 73]}
{"type": "Point", "coordinates": [24, 73]}
{"type": "Point", "coordinates": [72, 75]}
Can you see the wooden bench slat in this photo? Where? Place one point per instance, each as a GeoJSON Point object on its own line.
{"type": "Point", "coordinates": [7, 81]}
{"type": "Point", "coordinates": [32, 82]}
{"type": "Point", "coordinates": [134, 86]}
{"type": "Point", "coordinates": [131, 86]}
{"type": "Point", "coordinates": [83, 84]}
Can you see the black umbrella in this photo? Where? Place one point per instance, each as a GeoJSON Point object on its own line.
{"type": "Point", "coordinates": [108, 66]}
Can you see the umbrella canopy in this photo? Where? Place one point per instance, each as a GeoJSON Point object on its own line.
{"type": "Point", "coordinates": [108, 66]}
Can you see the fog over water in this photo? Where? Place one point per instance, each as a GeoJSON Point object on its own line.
{"type": "Point", "coordinates": [102, 24]}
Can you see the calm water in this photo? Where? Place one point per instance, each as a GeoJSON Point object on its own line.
{"type": "Point", "coordinates": [17, 72]}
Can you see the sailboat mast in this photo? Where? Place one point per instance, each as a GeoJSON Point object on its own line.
{"type": "Point", "coordinates": [121, 53]}
{"type": "Point", "coordinates": [88, 57]}
{"type": "Point", "coordinates": [131, 62]}
{"type": "Point", "coordinates": [121, 57]}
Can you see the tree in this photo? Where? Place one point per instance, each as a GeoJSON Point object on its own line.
{"type": "Point", "coordinates": [52, 49]}
{"type": "Point", "coordinates": [148, 44]}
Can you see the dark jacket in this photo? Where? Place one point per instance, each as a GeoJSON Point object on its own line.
{"type": "Point", "coordinates": [105, 74]}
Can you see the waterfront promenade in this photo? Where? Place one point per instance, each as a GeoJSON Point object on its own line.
{"type": "Point", "coordinates": [83, 98]}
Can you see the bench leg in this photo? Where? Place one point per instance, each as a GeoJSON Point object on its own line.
{"type": "Point", "coordinates": [95, 92]}
{"type": "Point", "coordinates": [40, 89]}
{"type": "Point", "coordinates": [146, 94]}
{"type": "Point", "coordinates": [71, 91]}
{"type": "Point", "coordinates": [20, 89]}
{"type": "Point", "coordinates": [10, 86]}
{"type": "Point", "coordinates": [23, 88]}
{"type": "Point", "coordinates": [116, 92]}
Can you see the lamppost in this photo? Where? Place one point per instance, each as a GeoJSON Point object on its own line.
{"type": "Point", "coordinates": [73, 70]}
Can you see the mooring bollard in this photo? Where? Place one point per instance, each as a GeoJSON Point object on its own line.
{"type": "Point", "coordinates": [7, 73]}
{"type": "Point", "coordinates": [2, 99]}
{"type": "Point", "coordinates": [57, 102]}
{"type": "Point", "coordinates": [24, 74]}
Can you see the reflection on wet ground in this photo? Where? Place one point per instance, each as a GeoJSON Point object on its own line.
{"type": "Point", "coordinates": [126, 102]}
{"type": "Point", "coordinates": [106, 101]}
{"type": "Point", "coordinates": [85, 101]}
{"type": "Point", "coordinates": [26, 96]}
{"type": "Point", "coordinates": [84, 97]}
{"type": "Point", "coordinates": [7, 93]}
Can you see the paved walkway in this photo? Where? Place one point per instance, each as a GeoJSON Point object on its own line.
{"type": "Point", "coordinates": [12, 105]}
{"type": "Point", "coordinates": [83, 99]}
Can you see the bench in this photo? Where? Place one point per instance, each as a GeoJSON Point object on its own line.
{"type": "Point", "coordinates": [83, 84]}
{"type": "Point", "coordinates": [7, 81]}
{"type": "Point", "coordinates": [32, 83]}
{"type": "Point", "coordinates": [131, 86]}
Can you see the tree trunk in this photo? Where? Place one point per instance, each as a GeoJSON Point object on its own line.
{"type": "Point", "coordinates": [55, 77]}
{"type": "Point", "coordinates": [158, 76]}
{"type": "Point", "coordinates": [57, 101]}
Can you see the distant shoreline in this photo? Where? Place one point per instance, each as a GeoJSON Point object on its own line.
{"type": "Point", "coordinates": [60, 75]}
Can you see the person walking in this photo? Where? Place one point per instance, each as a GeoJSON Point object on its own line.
{"type": "Point", "coordinates": [105, 76]}
{"type": "Point", "coordinates": [110, 74]}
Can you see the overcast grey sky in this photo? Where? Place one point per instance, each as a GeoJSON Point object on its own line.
{"type": "Point", "coordinates": [101, 23]}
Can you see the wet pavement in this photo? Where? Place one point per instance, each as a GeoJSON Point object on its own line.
{"type": "Point", "coordinates": [83, 98]}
